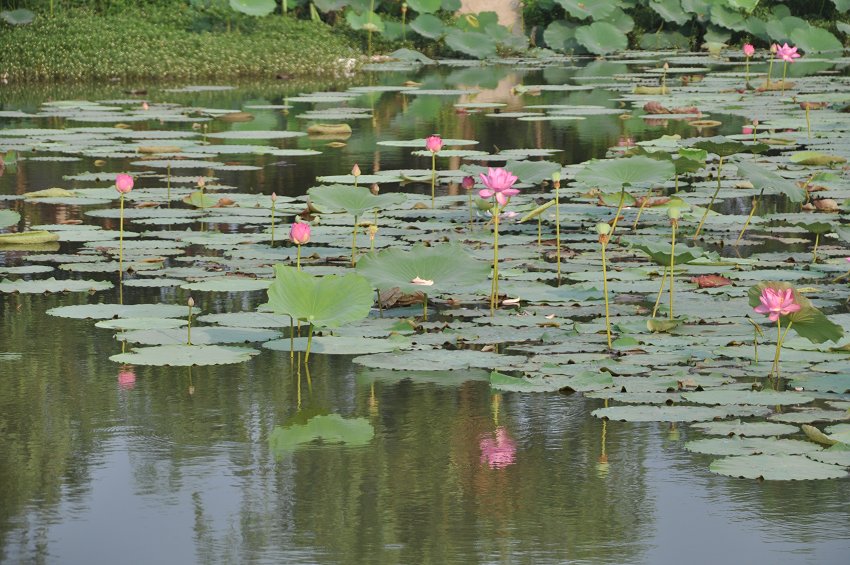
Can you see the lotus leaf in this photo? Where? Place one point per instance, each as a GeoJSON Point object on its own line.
{"type": "Point", "coordinates": [808, 322]}
{"type": "Point", "coordinates": [333, 345]}
{"type": "Point", "coordinates": [185, 355]}
{"type": "Point", "coordinates": [672, 413]}
{"type": "Point", "coordinates": [751, 446]}
{"type": "Point", "coordinates": [28, 238]}
{"type": "Point", "coordinates": [107, 311]}
{"type": "Point", "coordinates": [762, 179]}
{"type": "Point", "coordinates": [331, 428]}
{"type": "Point", "coordinates": [766, 398]}
{"type": "Point", "coordinates": [8, 218]}
{"type": "Point", "coordinates": [627, 171]}
{"type": "Point", "coordinates": [52, 285]}
{"type": "Point", "coordinates": [200, 335]}
{"type": "Point", "coordinates": [355, 201]}
{"type": "Point", "coordinates": [775, 468]}
{"type": "Point", "coordinates": [748, 429]}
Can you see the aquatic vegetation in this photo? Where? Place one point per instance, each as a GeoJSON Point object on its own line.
{"type": "Point", "coordinates": [787, 54]}
{"type": "Point", "coordinates": [299, 234]}
{"type": "Point", "coordinates": [433, 143]}
{"type": "Point", "coordinates": [499, 187]}
{"type": "Point", "coordinates": [749, 51]}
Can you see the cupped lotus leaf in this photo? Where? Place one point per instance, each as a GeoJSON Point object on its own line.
{"type": "Point", "coordinates": [659, 251]}
{"type": "Point", "coordinates": [333, 345]}
{"type": "Point", "coordinates": [765, 398]}
{"type": "Point", "coordinates": [428, 25]}
{"type": "Point", "coordinates": [107, 311]}
{"type": "Point", "coordinates": [818, 436]}
{"type": "Point", "coordinates": [228, 284]}
{"type": "Point", "coordinates": [627, 171]}
{"type": "Point", "coordinates": [202, 335]}
{"type": "Point", "coordinates": [437, 360]}
{"type": "Point", "coordinates": [775, 468]}
{"type": "Point", "coordinates": [533, 172]}
{"type": "Point", "coordinates": [326, 302]}
{"type": "Point", "coordinates": [141, 323]}
{"type": "Point", "coordinates": [770, 182]}
{"type": "Point", "coordinates": [641, 413]}
{"type": "Point", "coordinates": [751, 446]}
{"type": "Point", "coordinates": [356, 201]}
{"type": "Point", "coordinates": [813, 39]}
{"type": "Point", "coordinates": [747, 429]}
{"type": "Point", "coordinates": [9, 218]}
{"type": "Point", "coordinates": [479, 45]}
{"type": "Point", "coordinates": [447, 267]}
{"type": "Point", "coordinates": [601, 38]}
{"type": "Point", "coordinates": [816, 159]}
{"type": "Point", "coordinates": [35, 237]}
{"type": "Point", "coordinates": [51, 285]}
{"type": "Point", "coordinates": [185, 355]}
{"type": "Point", "coordinates": [583, 381]}
{"type": "Point", "coordinates": [808, 322]}
{"type": "Point", "coordinates": [725, 147]}
{"type": "Point", "coordinates": [200, 199]}
{"type": "Point", "coordinates": [331, 428]}
{"type": "Point", "coordinates": [254, 7]}
{"type": "Point", "coordinates": [18, 17]}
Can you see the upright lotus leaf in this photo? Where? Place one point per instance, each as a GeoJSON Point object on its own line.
{"type": "Point", "coordinates": [331, 428]}
{"type": "Point", "coordinates": [533, 172]}
{"type": "Point", "coordinates": [813, 39]}
{"type": "Point", "coordinates": [425, 6]}
{"type": "Point", "coordinates": [254, 7]}
{"type": "Point", "coordinates": [613, 174]}
{"type": "Point", "coordinates": [9, 218]}
{"type": "Point", "coordinates": [597, 10]}
{"type": "Point", "coordinates": [366, 20]}
{"type": "Point", "coordinates": [355, 201]}
{"type": "Point", "coordinates": [808, 322]}
{"type": "Point", "coordinates": [478, 45]}
{"type": "Point", "coordinates": [659, 251]}
{"type": "Point", "coordinates": [770, 182]}
{"type": "Point", "coordinates": [670, 11]}
{"type": "Point", "coordinates": [601, 38]}
{"type": "Point", "coordinates": [428, 25]}
{"type": "Point", "coordinates": [560, 35]}
{"type": "Point", "coordinates": [326, 6]}
{"type": "Point", "coordinates": [326, 302]}
{"type": "Point", "coordinates": [724, 147]}
{"type": "Point", "coordinates": [447, 267]}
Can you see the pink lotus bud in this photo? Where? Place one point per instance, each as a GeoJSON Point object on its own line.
{"type": "Point", "coordinates": [467, 183]}
{"type": "Point", "coordinates": [749, 50]}
{"type": "Point", "coordinates": [201, 182]}
{"type": "Point", "coordinates": [145, 106]}
{"type": "Point", "coordinates": [124, 183]}
{"type": "Point", "coordinates": [355, 170]}
{"type": "Point", "coordinates": [299, 233]}
{"type": "Point", "coordinates": [274, 197]}
{"type": "Point", "coordinates": [433, 143]}
{"type": "Point", "coordinates": [774, 48]}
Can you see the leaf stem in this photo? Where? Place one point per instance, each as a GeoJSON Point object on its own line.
{"type": "Point", "coordinates": [713, 198]}
{"type": "Point", "coordinates": [672, 265]}
{"type": "Point", "coordinates": [309, 343]}
{"type": "Point", "coordinates": [749, 218]}
{"type": "Point", "coordinates": [660, 292]}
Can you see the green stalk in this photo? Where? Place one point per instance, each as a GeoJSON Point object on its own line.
{"type": "Point", "coordinates": [291, 337]}
{"type": "Point", "coordinates": [189, 327]}
{"type": "Point", "coordinates": [298, 259]}
{"type": "Point", "coordinates": [808, 122]}
{"type": "Point", "coordinates": [309, 343]}
{"type": "Point", "coordinates": [494, 293]}
{"type": "Point", "coordinates": [354, 240]}
{"type": "Point", "coordinates": [121, 239]}
{"type": "Point", "coordinates": [557, 231]}
{"type": "Point", "coordinates": [371, 11]}
{"type": "Point", "coordinates": [749, 218]}
{"type": "Point", "coordinates": [711, 203]}
{"type": "Point", "coordinates": [540, 231]}
{"type": "Point", "coordinates": [815, 250]}
{"type": "Point", "coordinates": [643, 205]}
{"type": "Point", "coordinates": [424, 307]}
{"type": "Point", "coordinates": [770, 69]}
{"type": "Point", "coordinates": [168, 185]}
{"type": "Point", "coordinates": [784, 74]}
{"type": "Point", "coordinates": [273, 225]}
{"type": "Point", "coordinates": [469, 203]}
{"type": "Point", "coordinates": [617, 215]}
{"type": "Point", "coordinates": [605, 291]}
{"type": "Point", "coordinates": [747, 79]}
{"type": "Point", "coordinates": [660, 291]}
{"type": "Point", "coordinates": [433, 175]}
{"type": "Point", "coordinates": [672, 265]}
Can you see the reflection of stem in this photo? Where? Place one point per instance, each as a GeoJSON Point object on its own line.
{"type": "Point", "coordinates": [749, 218]}
{"type": "Point", "coordinates": [711, 203]}
{"type": "Point", "coordinates": [433, 175]}
{"type": "Point", "coordinates": [291, 337]}
{"type": "Point", "coordinates": [494, 293]}
{"type": "Point", "coordinates": [672, 266]}
{"type": "Point", "coordinates": [189, 328]}
{"type": "Point", "coordinates": [605, 291]}
{"type": "Point", "coordinates": [424, 306]}
{"type": "Point", "coordinates": [642, 206]}
{"type": "Point", "coordinates": [660, 291]}
{"type": "Point", "coordinates": [495, 407]}
{"type": "Point", "coordinates": [309, 343]}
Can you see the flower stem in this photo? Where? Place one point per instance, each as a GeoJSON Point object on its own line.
{"type": "Point", "coordinates": [642, 206]}
{"type": "Point", "coordinates": [605, 292]}
{"type": "Point", "coordinates": [272, 223]}
{"type": "Point", "coordinates": [298, 259]}
{"type": "Point", "coordinates": [168, 185]}
{"type": "Point", "coordinates": [616, 215]}
{"type": "Point", "coordinates": [660, 292]}
{"type": "Point", "coordinates": [815, 250]}
{"type": "Point", "coordinates": [309, 342]}
{"type": "Point", "coordinates": [121, 240]}
{"type": "Point", "coordinates": [189, 328]}
{"type": "Point", "coordinates": [713, 198]}
{"type": "Point", "coordinates": [747, 74]}
{"type": "Point", "coordinates": [433, 175]}
{"type": "Point", "coordinates": [672, 266]}
{"type": "Point", "coordinates": [424, 307]}
{"type": "Point", "coordinates": [769, 72]}
{"type": "Point", "coordinates": [808, 123]}
{"type": "Point", "coordinates": [784, 74]}
{"type": "Point", "coordinates": [749, 218]}
{"type": "Point", "coordinates": [494, 293]}
{"type": "Point", "coordinates": [469, 202]}
{"type": "Point", "coordinates": [557, 231]}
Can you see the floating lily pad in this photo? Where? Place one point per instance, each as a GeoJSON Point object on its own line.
{"type": "Point", "coordinates": [228, 284]}
{"type": "Point", "coordinates": [185, 355]}
{"type": "Point", "coordinates": [51, 285]}
{"type": "Point", "coordinates": [643, 413]}
{"type": "Point", "coordinates": [332, 345]}
{"type": "Point", "coordinates": [748, 429]}
{"type": "Point", "coordinates": [141, 323]}
{"type": "Point", "coordinates": [766, 398]}
{"type": "Point", "coordinates": [775, 468]}
{"type": "Point", "coordinates": [437, 360]}
{"type": "Point", "coordinates": [751, 446]}
{"type": "Point", "coordinates": [107, 311]}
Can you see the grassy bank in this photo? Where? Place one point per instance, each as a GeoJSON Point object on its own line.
{"type": "Point", "coordinates": [168, 44]}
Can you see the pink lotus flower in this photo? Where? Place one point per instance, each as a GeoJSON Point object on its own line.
{"type": "Point", "coordinates": [498, 452]}
{"type": "Point", "coordinates": [126, 378]}
{"type": "Point", "coordinates": [124, 183]}
{"type": "Point", "coordinates": [749, 50]}
{"type": "Point", "coordinates": [747, 130]}
{"type": "Point", "coordinates": [775, 303]}
{"type": "Point", "coordinates": [467, 183]}
{"type": "Point", "coordinates": [433, 143]}
{"type": "Point", "coordinates": [787, 53]}
{"type": "Point", "coordinates": [299, 233]}
{"type": "Point", "coordinates": [498, 182]}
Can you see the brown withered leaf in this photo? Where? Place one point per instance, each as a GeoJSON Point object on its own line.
{"type": "Point", "coordinates": [710, 281]}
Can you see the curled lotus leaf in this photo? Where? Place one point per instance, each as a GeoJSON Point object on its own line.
{"type": "Point", "coordinates": [626, 171]}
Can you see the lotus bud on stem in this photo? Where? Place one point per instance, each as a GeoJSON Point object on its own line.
{"type": "Point", "coordinates": [373, 230]}
{"type": "Point", "coordinates": [673, 213]}
{"type": "Point", "coordinates": [403, 21]}
{"type": "Point", "coordinates": [355, 172]}
{"type": "Point", "coordinates": [755, 130]}
{"type": "Point", "coordinates": [468, 183]}
{"type": "Point", "coordinates": [191, 303]}
{"type": "Point", "coordinates": [354, 241]}
{"type": "Point", "coordinates": [433, 143]}
{"type": "Point", "coordinates": [604, 232]}
{"type": "Point", "coordinates": [756, 333]}
{"type": "Point", "coordinates": [666, 68]}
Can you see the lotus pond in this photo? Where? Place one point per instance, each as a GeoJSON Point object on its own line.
{"type": "Point", "coordinates": [608, 394]}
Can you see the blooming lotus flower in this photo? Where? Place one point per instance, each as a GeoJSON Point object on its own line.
{"type": "Point", "coordinates": [775, 303]}
{"type": "Point", "coordinates": [498, 452]}
{"type": "Point", "coordinates": [749, 50]}
{"type": "Point", "coordinates": [787, 53]}
{"type": "Point", "coordinates": [299, 233]}
{"type": "Point", "coordinates": [433, 143]}
{"type": "Point", "coordinates": [124, 183]}
{"type": "Point", "coordinates": [498, 182]}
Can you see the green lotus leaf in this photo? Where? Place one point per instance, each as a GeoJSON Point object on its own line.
{"type": "Point", "coordinates": [560, 35]}
{"type": "Point", "coordinates": [185, 355]}
{"type": "Point", "coordinates": [775, 468]}
{"type": "Point", "coordinates": [141, 324]}
{"type": "Point", "coordinates": [751, 446]}
{"type": "Point", "coordinates": [228, 284]}
{"type": "Point", "coordinates": [748, 429]}
{"type": "Point", "coordinates": [816, 158]}
{"type": "Point", "coordinates": [200, 199]}
{"type": "Point", "coordinates": [537, 211]}
{"type": "Point", "coordinates": [355, 201]}
{"type": "Point", "coordinates": [601, 38]}
{"type": "Point", "coordinates": [810, 416]}
{"type": "Point", "coordinates": [437, 360]}
{"type": "Point", "coordinates": [770, 182]}
{"type": "Point", "coordinates": [447, 267]}
{"type": "Point", "coordinates": [725, 147]}
{"type": "Point", "coordinates": [28, 238]}
{"type": "Point", "coordinates": [627, 171]}
{"type": "Point", "coordinates": [808, 322]}
{"type": "Point", "coordinates": [766, 398]}
{"type": "Point", "coordinates": [51, 285]}
{"type": "Point", "coordinates": [21, 16]}
{"type": "Point", "coordinates": [254, 7]}
{"type": "Point", "coordinates": [331, 428]}
{"type": "Point", "coordinates": [839, 384]}
{"type": "Point", "coordinates": [813, 39]}
{"type": "Point", "coordinates": [670, 11]}
{"type": "Point", "coordinates": [200, 335]}
{"type": "Point", "coordinates": [533, 172]}
{"type": "Point", "coordinates": [818, 436]}
{"type": "Point", "coordinates": [428, 25]}
{"type": "Point", "coordinates": [333, 345]}
{"type": "Point", "coordinates": [9, 218]}
{"type": "Point", "coordinates": [247, 320]}
{"type": "Point", "coordinates": [583, 381]}
{"type": "Point", "coordinates": [425, 6]}
{"type": "Point", "coordinates": [838, 454]}
{"type": "Point", "coordinates": [107, 311]}
{"type": "Point", "coordinates": [597, 10]}
{"type": "Point", "coordinates": [659, 251]}
{"type": "Point", "coordinates": [672, 413]}
{"type": "Point", "coordinates": [326, 302]}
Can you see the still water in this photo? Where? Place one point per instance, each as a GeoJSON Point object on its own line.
{"type": "Point", "coordinates": [108, 464]}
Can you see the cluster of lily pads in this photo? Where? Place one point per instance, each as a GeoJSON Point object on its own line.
{"type": "Point", "coordinates": [582, 251]}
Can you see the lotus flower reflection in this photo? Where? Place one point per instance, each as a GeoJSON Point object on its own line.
{"type": "Point", "coordinates": [499, 451]}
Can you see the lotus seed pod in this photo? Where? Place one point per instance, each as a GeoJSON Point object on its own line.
{"type": "Point", "coordinates": [674, 212]}
{"type": "Point", "coordinates": [603, 228]}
